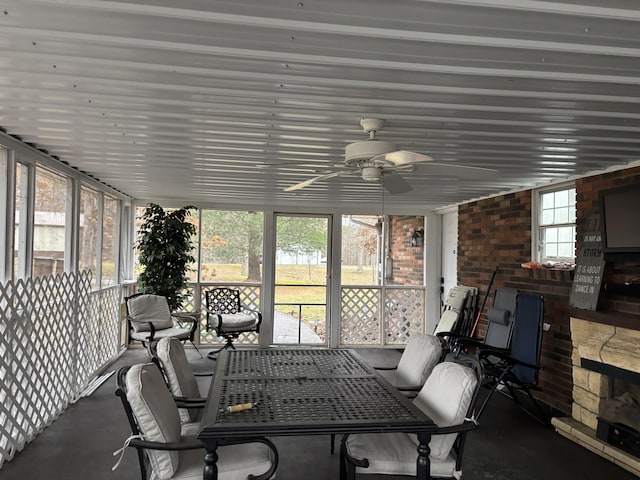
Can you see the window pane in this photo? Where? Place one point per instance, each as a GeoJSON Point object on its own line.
{"type": "Point", "coordinates": [89, 231]}
{"type": "Point", "coordinates": [565, 234]}
{"type": "Point", "coordinates": [547, 201]}
{"type": "Point", "coordinates": [561, 215]}
{"type": "Point", "coordinates": [360, 243]}
{"type": "Point", "coordinates": [231, 246]}
{"type": "Point", "coordinates": [547, 217]}
{"type": "Point", "coordinates": [561, 198]}
{"type": "Point", "coordinates": [551, 235]}
{"type": "Point", "coordinates": [565, 250]}
{"type": "Point", "coordinates": [551, 250]}
{"type": "Point", "coordinates": [109, 241]}
{"type": "Point", "coordinates": [49, 223]}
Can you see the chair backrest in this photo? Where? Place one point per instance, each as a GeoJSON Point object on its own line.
{"type": "Point", "coordinates": [155, 413]}
{"type": "Point", "coordinates": [453, 309]}
{"type": "Point", "coordinates": [527, 336]}
{"type": "Point", "coordinates": [448, 397]}
{"type": "Point", "coordinates": [148, 308]}
{"type": "Point", "coordinates": [180, 378]}
{"type": "Point", "coordinates": [223, 300]}
{"type": "Point", "coordinates": [420, 355]}
{"type": "Point", "coordinates": [501, 317]}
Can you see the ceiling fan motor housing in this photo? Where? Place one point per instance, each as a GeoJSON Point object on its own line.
{"type": "Point", "coordinates": [359, 152]}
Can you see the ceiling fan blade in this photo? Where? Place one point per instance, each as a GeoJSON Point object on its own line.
{"type": "Point", "coordinates": [459, 171]}
{"type": "Point", "coordinates": [319, 178]}
{"type": "Point", "coordinates": [400, 158]}
{"type": "Point", "coordinates": [395, 184]}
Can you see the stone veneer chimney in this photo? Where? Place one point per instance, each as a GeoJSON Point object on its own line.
{"type": "Point", "coordinates": [611, 345]}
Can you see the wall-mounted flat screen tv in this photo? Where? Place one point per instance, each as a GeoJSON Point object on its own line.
{"type": "Point", "coordinates": [620, 220]}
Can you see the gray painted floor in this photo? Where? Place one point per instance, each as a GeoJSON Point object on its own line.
{"type": "Point", "coordinates": [508, 445]}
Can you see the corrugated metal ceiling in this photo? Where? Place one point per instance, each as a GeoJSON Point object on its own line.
{"type": "Point", "coordinates": [232, 101]}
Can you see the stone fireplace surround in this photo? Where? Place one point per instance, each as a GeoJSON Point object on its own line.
{"type": "Point", "coordinates": [606, 343]}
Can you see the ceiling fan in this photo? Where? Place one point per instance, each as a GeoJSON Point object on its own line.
{"type": "Point", "coordinates": [378, 160]}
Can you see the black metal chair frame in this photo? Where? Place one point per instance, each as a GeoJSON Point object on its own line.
{"type": "Point", "coordinates": [225, 301]}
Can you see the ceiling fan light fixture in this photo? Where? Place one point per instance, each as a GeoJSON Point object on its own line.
{"type": "Point", "coordinates": [371, 174]}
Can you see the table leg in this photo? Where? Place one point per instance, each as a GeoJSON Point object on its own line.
{"type": "Point", "coordinates": [210, 471]}
{"type": "Point", "coordinates": [423, 471]}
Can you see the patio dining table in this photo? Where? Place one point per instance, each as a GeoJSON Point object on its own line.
{"type": "Point", "coordinates": [305, 392]}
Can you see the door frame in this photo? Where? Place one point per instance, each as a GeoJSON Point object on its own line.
{"type": "Point", "coordinates": [269, 287]}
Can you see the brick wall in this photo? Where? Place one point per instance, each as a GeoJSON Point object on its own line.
{"type": "Point", "coordinates": [407, 260]}
{"type": "Point", "coordinates": [587, 190]}
{"type": "Point", "coordinates": [497, 231]}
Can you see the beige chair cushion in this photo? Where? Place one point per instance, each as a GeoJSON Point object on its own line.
{"type": "Point", "coordinates": [420, 355]}
{"type": "Point", "coordinates": [149, 308]}
{"type": "Point", "coordinates": [235, 462]}
{"type": "Point", "coordinates": [395, 454]}
{"type": "Point", "coordinates": [156, 414]}
{"type": "Point", "coordinates": [176, 332]}
{"type": "Point", "coordinates": [237, 322]}
{"type": "Point", "coordinates": [446, 397]}
{"type": "Point", "coordinates": [447, 322]}
{"type": "Point", "coordinates": [182, 382]}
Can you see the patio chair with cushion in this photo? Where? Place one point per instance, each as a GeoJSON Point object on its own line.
{"type": "Point", "coordinates": [421, 354]}
{"type": "Point", "coordinates": [448, 397]}
{"type": "Point", "coordinates": [228, 317]}
{"type": "Point", "coordinates": [163, 451]}
{"type": "Point", "coordinates": [185, 385]}
{"type": "Point", "coordinates": [150, 319]}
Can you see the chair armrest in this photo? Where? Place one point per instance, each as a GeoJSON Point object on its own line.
{"type": "Point", "coordinates": [192, 317]}
{"type": "Point", "coordinates": [258, 313]}
{"type": "Point", "coordinates": [190, 444]}
{"type": "Point", "coordinates": [152, 328]}
{"type": "Point", "coordinates": [190, 402]}
{"type": "Point", "coordinates": [386, 368]}
{"type": "Point", "coordinates": [465, 426]}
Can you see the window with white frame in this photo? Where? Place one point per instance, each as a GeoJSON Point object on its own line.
{"type": "Point", "coordinates": [555, 224]}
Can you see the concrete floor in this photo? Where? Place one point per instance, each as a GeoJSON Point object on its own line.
{"type": "Point", "coordinates": [508, 445]}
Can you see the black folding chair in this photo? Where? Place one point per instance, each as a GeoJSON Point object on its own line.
{"type": "Point", "coordinates": [517, 368]}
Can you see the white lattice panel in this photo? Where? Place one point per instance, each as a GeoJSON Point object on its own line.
{"type": "Point", "coordinates": [249, 298]}
{"type": "Point", "coordinates": [403, 314]}
{"type": "Point", "coordinates": [360, 316]}
{"type": "Point", "coordinates": [54, 335]}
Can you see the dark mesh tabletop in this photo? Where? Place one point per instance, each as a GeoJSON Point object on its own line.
{"type": "Point", "coordinates": [300, 391]}
{"type": "Point", "coordinates": [323, 400]}
{"type": "Point", "coordinates": [294, 363]}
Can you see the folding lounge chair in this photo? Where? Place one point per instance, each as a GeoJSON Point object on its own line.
{"type": "Point", "coordinates": [500, 321]}
{"type": "Point", "coordinates": [453, 310]}
{"type": "Point", "coordinates": [517, 369]}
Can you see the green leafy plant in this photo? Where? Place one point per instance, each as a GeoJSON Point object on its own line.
{"type": "Point", "coordinates": [165, 251]}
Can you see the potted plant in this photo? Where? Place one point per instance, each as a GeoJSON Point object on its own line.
{"type": "Point", "coordinates": [165, 251]}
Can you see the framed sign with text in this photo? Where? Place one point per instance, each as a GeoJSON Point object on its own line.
{"type": "Point", "coordinates": [589, 269]}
